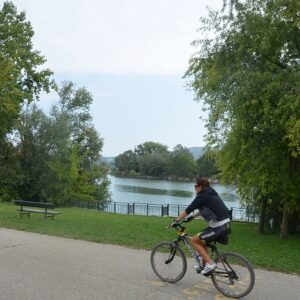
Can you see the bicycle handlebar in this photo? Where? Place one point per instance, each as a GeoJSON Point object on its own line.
{"type": "Point", "coordinates": [176, 224]}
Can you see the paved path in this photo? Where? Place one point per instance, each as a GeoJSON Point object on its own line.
{"type": "Point", "coordinates": [40, 267]}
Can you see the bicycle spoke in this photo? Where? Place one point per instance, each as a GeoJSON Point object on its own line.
{"type": "Point", "coordinates": [234, 276]}
{"type": "Point", "coordinates": [169, 264]}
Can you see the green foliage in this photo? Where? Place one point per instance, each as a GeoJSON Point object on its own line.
{"type": "Point", "coordinates": [182, 162]}
{"type": "Point", "coordinates": [9, 171]}
{"type": "Point", "coordinates": [248, 78]}
{"type": "Point", "coordinates": [153, 164]}
{"type": "Point", "coordinates": [206, 165]}
{"type": "Point", "coordinates": [126, 161]}
{"type": "Point", "coordinates": [75, 163]}
{"type": "Point", "coordinates": [21, 78]}
{"type": "Point", "coordinates": [155, 160]}
{"type": "Point", "coordinates": [33, 146]}
{"type": "Point", "coordinates": [43, 158]}
{"type": "Point", "coordinates": [59, 152]}
{"type": "Point", "coordinates": [149, 148]}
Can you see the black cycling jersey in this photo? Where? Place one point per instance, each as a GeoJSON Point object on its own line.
{"type": "Point", "coordinates": [208, 197]}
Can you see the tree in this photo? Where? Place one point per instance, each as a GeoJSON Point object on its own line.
{"type": "Point", "coordinates": [126, 162]}
{"type": "Point", "coordinates": [153, 164]}
{"type": "Point", "coordinates": [88, 179]}
{"type": "Point", "coordinates": [59, 153]}
{"type": "Point", "coordinates": [248, 77]}
{"type": "Point", "coordinates": [206, 165]}
{"type": "Point", "coordinates": [150, 147]}
{"type": "Point", "coordinates": [182, 162]}
{"type": "Point", "coordinates": [152, 158]}
{"type": "Point", "coordinates": [21, 78]}
{"type": "Point", "coordinates": [33, 144]}
{"type": "Point", "coordinates": [9, 171]}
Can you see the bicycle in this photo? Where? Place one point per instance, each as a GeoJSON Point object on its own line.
{"type": "Point", "coordinates": [234, 276]}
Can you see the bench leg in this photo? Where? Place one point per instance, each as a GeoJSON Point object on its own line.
{"type": "Point", "coordinates": [50, 216]}
{"type": "Point", "coordinates": [24, 213]}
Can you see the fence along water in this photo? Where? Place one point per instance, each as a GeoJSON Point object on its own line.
{"type": "Point", "coordinates": [146, 209]}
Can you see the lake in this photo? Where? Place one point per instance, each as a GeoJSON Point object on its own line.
{"type": "Point", "coordinates": [164, 192]}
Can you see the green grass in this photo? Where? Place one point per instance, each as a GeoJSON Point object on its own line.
{"type": "Point", "coordinates": [265, 251]}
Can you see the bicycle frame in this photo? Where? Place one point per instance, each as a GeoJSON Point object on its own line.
{"type": "Point", "coordinates": [184, 237]}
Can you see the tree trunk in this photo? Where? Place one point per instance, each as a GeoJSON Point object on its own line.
{"type": "Point", "coordinates": [262, 219]}
{"type": "Point", "coordinates": [285, 221]}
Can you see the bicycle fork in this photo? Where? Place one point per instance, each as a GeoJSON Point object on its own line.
{"type": "Point", "coordinates": [173, 247]}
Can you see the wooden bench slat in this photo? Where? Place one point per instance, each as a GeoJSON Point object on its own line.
{"type": "Point", "coordinates": [34, 204]}
{"type": "Point", "coordinates": [39, 211]}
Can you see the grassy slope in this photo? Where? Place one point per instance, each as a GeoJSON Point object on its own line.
{"type": "Point", "coordinates": [266, 251]}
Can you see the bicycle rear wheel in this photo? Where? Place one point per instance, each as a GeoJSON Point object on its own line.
{"type": "Point", "coordinates": [234, 276]}
{"type": "Point", "coordinates": [168, 261]}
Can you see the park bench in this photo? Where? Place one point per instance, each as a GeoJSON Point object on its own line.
{"type": "Point", "coordinates": [26, 208]}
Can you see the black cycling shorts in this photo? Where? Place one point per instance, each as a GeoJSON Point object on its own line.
{"type": "Point", "coordinates": [219, 234]}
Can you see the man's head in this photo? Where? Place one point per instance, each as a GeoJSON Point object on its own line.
{"type": "Point", "coordinates": [201, 182]}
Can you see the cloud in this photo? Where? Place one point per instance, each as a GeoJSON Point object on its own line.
{"type": "Point", "coordinates": [116, 36]}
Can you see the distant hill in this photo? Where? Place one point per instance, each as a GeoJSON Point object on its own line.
{"type": "Point", "coordinates": [197, 151]}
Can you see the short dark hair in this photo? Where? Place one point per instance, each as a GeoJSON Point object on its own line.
{"type": "Point", "coordinates": [202, 181]}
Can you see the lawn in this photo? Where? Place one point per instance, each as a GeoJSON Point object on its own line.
{"type": "Point", "coordinates": [265, 251]}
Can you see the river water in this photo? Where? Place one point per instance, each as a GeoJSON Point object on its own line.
{"type": "Point", "coordinates": [164, 192]}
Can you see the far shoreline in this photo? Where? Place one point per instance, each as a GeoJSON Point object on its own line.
{"type": "Point", "coordinates": [163, 177]}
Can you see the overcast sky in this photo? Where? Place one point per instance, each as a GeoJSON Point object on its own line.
{"type": "Point", "coordinates": [131, 54]}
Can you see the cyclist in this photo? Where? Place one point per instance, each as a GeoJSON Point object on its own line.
{"type": "Point", "coordinates": [213, 210]}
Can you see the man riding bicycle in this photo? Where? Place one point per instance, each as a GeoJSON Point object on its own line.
{"type": "Point", "coordinates": [213, 210]}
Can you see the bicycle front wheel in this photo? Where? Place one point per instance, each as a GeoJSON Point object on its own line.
{"type": "Point", "coordinates": [168, 261]}
{"type": "Point", "coordinates": [234, 276]}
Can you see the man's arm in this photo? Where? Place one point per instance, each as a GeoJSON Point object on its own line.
{"type": "Point", "coordinates": [181, 216]}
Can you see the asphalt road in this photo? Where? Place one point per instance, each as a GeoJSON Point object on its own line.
{"type": "Point", "coordinates": [40, 267]}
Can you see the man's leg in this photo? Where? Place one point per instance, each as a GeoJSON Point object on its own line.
{"type": "Point", "coordinates": [198, 242]}
{"type": "Point", "coordinates": [201, 248]}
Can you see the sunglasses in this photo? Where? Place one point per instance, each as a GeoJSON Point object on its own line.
{"type": "Point", "coordinates": [196, 186]}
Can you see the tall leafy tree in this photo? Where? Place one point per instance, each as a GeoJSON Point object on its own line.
{"type": "Point", "coordinates": [34, 148]}
{"type": "Point", "coordinates": [150, 147]}
{"type": "Point", "coordinates": [182, 162]}
{"type": "Point", "coordinates": [153, 164]}
{"type": "Point", "coordinates": [126, 162]}
{"type": "Point", "coordinates": [9, 171]}
{"type": "Point", "coordinates": [247, 74]}
{"type": "Point", "coordinates": [59, 153]}
{"type": "Point", "coordinates": [21, 78]}
{"type": "Point", "coordinates": [152, 158]}
{"type": "Point", "coordinates": [86, 144]}
{"type": "Point", "coordinates": [206, 165]}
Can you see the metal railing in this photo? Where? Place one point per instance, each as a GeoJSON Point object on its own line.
{"type": "Point", "coordinates": [146, 209]}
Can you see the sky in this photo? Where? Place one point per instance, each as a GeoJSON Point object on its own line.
{"type": "Point", "coordinates": [131, 55]}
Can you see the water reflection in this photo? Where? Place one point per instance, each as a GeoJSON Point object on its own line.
{"type": "Point", "coordinates": [163, 192]}
{"type": "Point", "coordinates": [152, 191]}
